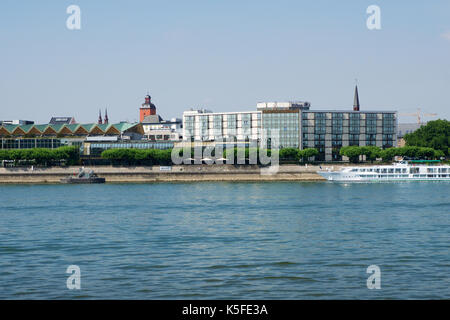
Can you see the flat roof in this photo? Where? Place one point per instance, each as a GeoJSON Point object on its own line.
{"type": "Point", "coordinates": [186, 113]}
{"type": "Point", "coordinates": [194, 113]}
{"type": "Point", "coordinates": [351, 111]}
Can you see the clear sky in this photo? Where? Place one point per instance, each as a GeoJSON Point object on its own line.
{"type": "Point", "coordinates": [221, 55]}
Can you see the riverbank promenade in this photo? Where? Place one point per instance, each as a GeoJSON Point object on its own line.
{"type": "Point", "coordinates": [183, 173]}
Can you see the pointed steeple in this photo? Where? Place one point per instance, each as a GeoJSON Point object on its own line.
{"type": "Point", "coordinates": [356, 100]}
{"type": "Point", "coordinates": [106, 121]}
{"type": "Point", "coordinates": [100, 116]}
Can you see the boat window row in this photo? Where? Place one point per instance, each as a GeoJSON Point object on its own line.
{"type": "Point", "coordinates": [381, 176]}
{"type": "Point", "coordinates": [381, 170]}
{"type": "Point", "coordinates": [438, 170]}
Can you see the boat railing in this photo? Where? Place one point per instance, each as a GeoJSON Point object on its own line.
{"type": "Point", "coordinates": [85, 174]}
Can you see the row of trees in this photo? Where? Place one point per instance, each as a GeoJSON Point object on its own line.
{"type": "Point", "coordinates": [138, 156]}
{"type": "Point", "coordinates": [163, 157]}
{"type": "Point", "coordinates": [435, 134]}
{"type": "Point", "coordinates": [284, 155]}
{"type": "Point", "coordinates": [296, 155]}
{"type": "Point", "coordinates": [372, 153]}
{"type": "Point", "coordinates": [43, 156]}
{"type": "Point", "coordinates": [245, 153]}
{"type": "Point", "coordinates": [412, 152]}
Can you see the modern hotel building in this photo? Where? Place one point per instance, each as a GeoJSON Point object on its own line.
{"type": "Point", "coordinates": [297, 127]}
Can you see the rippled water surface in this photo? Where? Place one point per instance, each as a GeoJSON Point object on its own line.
{"type": "Point", "coordinates": [225, 240]}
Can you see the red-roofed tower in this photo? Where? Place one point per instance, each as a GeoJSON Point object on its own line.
{"type": "Point", "coordinates": [147, 108]}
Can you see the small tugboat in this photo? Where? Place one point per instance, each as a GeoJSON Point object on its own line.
{"type": "Point", "coordinates": [84, 176]}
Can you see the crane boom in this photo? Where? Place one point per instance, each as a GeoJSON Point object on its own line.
{"type": "Point", "coordinates": [419, 115]}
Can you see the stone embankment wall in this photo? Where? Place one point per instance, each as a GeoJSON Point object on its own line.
{"type": "Point", "coordinates": [186, 173]}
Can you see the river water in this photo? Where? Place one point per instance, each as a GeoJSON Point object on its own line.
{"type": "Point", "coordinates": [278, 240]}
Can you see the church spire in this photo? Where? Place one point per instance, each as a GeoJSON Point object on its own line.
{"type": "Point", "coordinates": [106, 121]}
{"type": "Point", "coordinates": [100, 116]}
{"type": "Point", "coordinates": [356, 100]}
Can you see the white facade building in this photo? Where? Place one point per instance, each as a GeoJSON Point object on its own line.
{"type": "Point", "coordinates": [205, 125]}
{"type": "Point", "coordinates": [296, 126]}
{"type": "Point", "coordinates": [157, 129]}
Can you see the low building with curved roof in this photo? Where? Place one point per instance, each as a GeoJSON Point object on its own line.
{"type": "Point", "coordinates": [69, 130]}
{"type": "Point", "coordinates": [13, 136]}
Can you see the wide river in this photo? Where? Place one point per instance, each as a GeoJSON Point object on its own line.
{"type": "Point", "coordinates": [226, 240]}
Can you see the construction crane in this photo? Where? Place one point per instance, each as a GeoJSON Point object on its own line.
{"type": "Point", "coordinates": [419, 115]}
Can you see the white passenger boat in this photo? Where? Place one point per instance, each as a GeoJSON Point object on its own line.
{"type": "Point", "coordinates": [412, 170]}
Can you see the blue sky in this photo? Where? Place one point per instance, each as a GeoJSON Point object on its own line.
{"type": "Point", "coordinates": [222, 55]}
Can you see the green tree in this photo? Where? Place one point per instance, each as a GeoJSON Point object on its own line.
{"type": "Point", "coordinates": [426, 153]}
{"type": "Point", "coordinates": [289, 154]}
{"type": "Point", "coordinates": [163, 157]}
{"type": "Point", "coordinates": [307, 153]}
{"type": "Point", "coordinates": [439, 154]}
{"type": "Point", "coordinates": [371, 152]}
{"type": "Point", "coordinates": [70, 154]}
{"type": "Point", "coordinates": [388, 154]}
{"type": "Point", "coordinates": [233, 152]}
{"type": "Point", "coordinates": [352, 152]}
{"type": "Point", "coordinates": [17, 154]}
{"type": "Point", "coordinates": [138, 156]}
{"type": "Point", "coordinates": [435, 134]}
{"type": "Point", "coordinates": [5, 154]}
{"type": "Point", "coordinates": [42, 155]}
{"type": "Point", "coordinates": [412, 152]}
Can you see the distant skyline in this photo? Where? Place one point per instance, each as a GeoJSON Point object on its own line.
{"type": "Point", "coordinates": [221, 55]}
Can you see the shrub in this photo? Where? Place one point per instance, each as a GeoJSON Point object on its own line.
{"type": "Point", "coordinates": [289, 154]}
{"type": "Point", "coordinates": [42, 155]}
{"type": "Point", "coordinates": [307, 153]}
{"type": "Point", "coordinates": [352, 152]}
{"type": "Point", "coordinates": [138, 156]}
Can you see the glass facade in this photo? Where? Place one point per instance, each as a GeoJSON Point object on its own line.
{"type": "Point", "coordinates": [327, 131]}
{"type": "Point", "coordinates": [209, 126]}
{"type": "Point", "coordinates": [354, 124]}
{"type": "Point", "coordinates": [287, 124]}
{"type": "Point", "coordinates": [371, 124]}
{"type": "Point", "coordinates": [388, 130]}
{"type": "Point", "coordinates": [217, 126]}
{"type": "Point", "coordinates": [246, 122]}
{"type": "Point", "coordinates": [388, 140]}
{"type": "Point", "coordinates": [189, 123]}
{"type": "Point", "coordinates": [353, 139]}
{"type": "Point", "coordinates": [337, 128]}
{"type": "Point", "coordinates": [371, 139]}
{"type": "Point", "coordinates": [204, 132]}
{"type": "Point", "coordinates": [305, 130]}
{"type": "Point", "coordinates": [231, 125]}
{"type": "Point", "coordinates": [29, 143]}
{"type": "Point", "coordinates": [333, 130]}
{"type": "Point", "coordinates": [320, 125]}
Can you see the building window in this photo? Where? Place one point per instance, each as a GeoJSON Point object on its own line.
{"type": "Point", "coordinates": [353, 139]}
